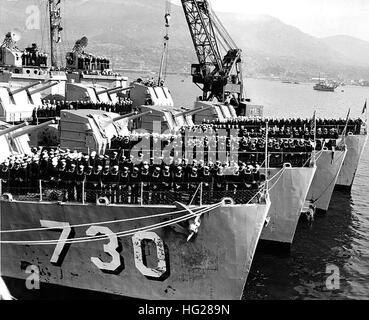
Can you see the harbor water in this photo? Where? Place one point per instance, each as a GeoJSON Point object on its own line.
{"type": "Point", "coordinates": [335, 241]}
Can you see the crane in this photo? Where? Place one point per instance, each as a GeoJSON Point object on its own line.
{"type": "Point", "coordinates": [218, 76]}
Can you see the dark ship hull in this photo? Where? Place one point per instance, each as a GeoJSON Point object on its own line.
{"type": "Point", "coordinates": [156, 264]}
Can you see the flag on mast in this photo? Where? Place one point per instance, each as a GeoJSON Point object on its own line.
{"type": "Point", "coordinates": [313, 128]}
{"type": "Point", "coordinates": [347, 120]}
{"type": "Point", "coordinates": [365, 107]}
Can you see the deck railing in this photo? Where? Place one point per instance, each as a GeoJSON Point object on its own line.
{"type": "Point", "coordinates": [139, 194]}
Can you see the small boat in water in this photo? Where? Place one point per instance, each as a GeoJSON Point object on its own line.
{"type": "Point", "coordinates": [325, 86]}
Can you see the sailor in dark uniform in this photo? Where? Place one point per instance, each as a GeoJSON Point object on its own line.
{"type": "Point", "coordinates": [178, 181]}
{"type": "Point", "coordinates": [114, 159]}
{"type": "Point", "coordinates": [146, 182]}
{"type": "Point", "coordinates": [114, 183]}
{"type": "Point", "coordinates": [71, 182]}
{"type": "Point", "coordinates": [124, 185]}
{"type": "Point", "coordinates": [63, 176]}
{"type": "Point", "coordinates": [54, 175]}
{"type": "Point", "coordinates": [166, 184]}
{"type": "Point", "coordinates": [234, 181]}
{"type": "Point", "coordinates": [135, 181]}
{"type": "Point", "coordinates": [219, 184]}
{"type": "Point", "coordinates": [105, 182]}
{"type": "Point", "coordinates": [155, 185]}
{"type": "Point", "coordinates": [207, 181]}
{"type": "Point", "coordinates": [194, 182]}
{"type": "Point", "coordinates": [79, 180]}
{"type": "Point", "coordinates": [96, 180]}
{"type": "Point", "coordinates": [5, 175]}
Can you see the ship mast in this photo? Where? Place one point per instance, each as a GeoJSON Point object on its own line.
{"type": "Point", "coordinates": [55, 29]}
{"type": "Point", "coordinates": [164, 56]}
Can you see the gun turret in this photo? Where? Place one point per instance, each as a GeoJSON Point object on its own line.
{"type": "Point", "coordinates": [45, 87]}
{"type": "Point", "coordinates": [14, 128]}
{"type": "Point", "coordinates": [31, 129]}
{"type": "Point", "coordinates": [12, 93]}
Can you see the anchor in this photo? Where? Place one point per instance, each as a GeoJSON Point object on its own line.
{"type": "Point", "coordinates": [194, 224]}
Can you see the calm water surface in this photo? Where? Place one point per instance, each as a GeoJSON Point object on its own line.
{"type": "Point", "coordinates": [341, 237]}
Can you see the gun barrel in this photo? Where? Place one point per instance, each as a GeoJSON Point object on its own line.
{"type": "Point", "coordinates": [207, 108]}
{"type": "Point", "coordinates": [45, 87]}
{"type": "Point", "coordinates": [14, 128]}
{"type": "Point", "coordinates": [139, 115]}
{"type": "Point", "coordinates": [121, 90]}
{"type": "Point", "coordinates": [25, 88]}
{"type": "Point", "coordinates": [124, 116]}
{"type": "Point", "coordinates": [114, 90]}
{"type": "Point", "coordinates": [31, 129]}
{"type": "Point", "coordinates": [188, 112]}
{"type": "Point", "coordinates": [108, 90]}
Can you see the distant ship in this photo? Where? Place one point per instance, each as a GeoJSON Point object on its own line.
{"type": "Point", "coordinates": [325, 86]}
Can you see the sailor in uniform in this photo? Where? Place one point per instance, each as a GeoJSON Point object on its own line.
{"type": "Point", "coordinates": [105, 182]}
{"type": "Point", "coordinates": [5, 174]}
{"type": "Point", "coordinates": [124, 184]}
{"type": "Point", "coordinates": [166, 184]}
{"type": "Point", "coordinates": [146, 182]}
{"type": "Point", "coordinates": [219, 183]}
{"type": "Point", "coordinates": [114, 183]}
{"type": "Point", "coordinates": [134, 180]}
{"type": "Point", "coordinates": [178, 181]}
{"type": "Point", "coordinates": [71, 182]}
{"type": "Point", "coordinates": [79, 180]}
{"type": "Point", "coordinates": [155, 185]}
{"type": "Point", "coordinates": [193, 182]}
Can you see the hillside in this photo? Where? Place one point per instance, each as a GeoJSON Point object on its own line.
{"type": "Point", "coordinates": [131, 33]}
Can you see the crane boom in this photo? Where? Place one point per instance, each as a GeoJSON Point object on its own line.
{"type": "Point", "coordinates": [217, 76]}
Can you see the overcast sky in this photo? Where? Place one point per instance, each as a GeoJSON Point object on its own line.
{"type": "Point", "coordinates": [317, 17]}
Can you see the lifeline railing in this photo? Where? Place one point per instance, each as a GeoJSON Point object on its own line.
{"type": "Point", "coordinates": [137, 194]}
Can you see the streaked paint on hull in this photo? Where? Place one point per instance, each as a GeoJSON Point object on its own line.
{"type": "Point", "coordinates": [355, 147]}
{"type": "Point", "coordinates": [212, 265]}
{"type": "Point", "coordinates": [329, 164]}
{"type": "Point", "coordinates": [287, 197]}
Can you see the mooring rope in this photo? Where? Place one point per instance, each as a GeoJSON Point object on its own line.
{"type": "Point", "coordinates": [118, 234]}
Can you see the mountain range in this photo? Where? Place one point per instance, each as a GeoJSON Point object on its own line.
{"type": "Point", "coordinates": [131, 34]}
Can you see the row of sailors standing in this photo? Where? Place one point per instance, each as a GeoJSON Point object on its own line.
{"type": "Point", "coordinates": [52, 109]}
{"type": "Point", "coordinates": [35, 58]}
{"type": "Point", "coordinates": [326, 128]}
{"type": "Point", "coordinates": [213, 147]}
{"type": "Point", "coordinates": [122, 180]}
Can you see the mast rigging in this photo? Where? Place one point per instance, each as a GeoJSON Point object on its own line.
{"type": "Point", "coordinates": [55, 29]}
